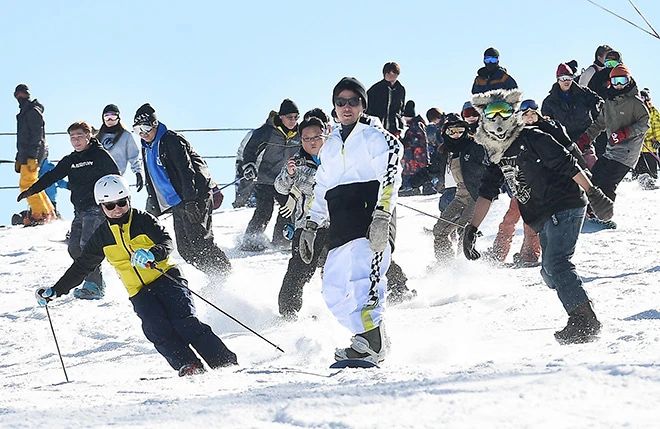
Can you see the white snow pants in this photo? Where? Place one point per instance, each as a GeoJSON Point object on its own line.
{"type": "Point", "coordinates": [354, 284]}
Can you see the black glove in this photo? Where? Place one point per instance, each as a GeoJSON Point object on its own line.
{"type": "Point", "coordinates": [249, 171]}
{"type": "Point", "coordinates": [602, 206]}
{"type": "Point", "coordinates": [195, 211]}
{"type": "Point", "coordinates": [139, 181]}
{"type": "Point", "coordinates": [470, 234]}
{"type": "Point", "coordinates": [24, 195]}
{"type": "Point", "coordinates": [17, 166]}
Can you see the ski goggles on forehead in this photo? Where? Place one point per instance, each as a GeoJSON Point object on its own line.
{"type": "Point", "coordinates": [528, 105]}
{"type": "Point", "coordinates": [353, 101]}
{"type": "Point", "coordinates": [501, 108]}
{"type": "Point", "coordinates": [491, 60]}
{"type": "Point", "coordinates": [620, 80]}
{"type": "Point", "coordinates": [120, 203]}
{"type": "Point", "coordinates": [610, 64]}
{"type": "Point", "coordinates": [142, 128]}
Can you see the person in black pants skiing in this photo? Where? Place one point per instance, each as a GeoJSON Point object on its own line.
{"type": "Point", "coordinates": [134, 242]}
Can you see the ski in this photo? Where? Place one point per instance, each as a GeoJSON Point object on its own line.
{"type": "Point", "coordinates": [353, 363]}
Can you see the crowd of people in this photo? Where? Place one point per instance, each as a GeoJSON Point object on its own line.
{"type": "Point", "coordinates": [336, 179]}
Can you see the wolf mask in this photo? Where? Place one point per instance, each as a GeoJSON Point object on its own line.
{"type": "Point", "coordinates": [498, 133]}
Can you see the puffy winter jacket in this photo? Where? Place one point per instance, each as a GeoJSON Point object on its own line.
{"type": "Point", "coordinates": [30, 132]}
{"type": "Point", "coordinates": [415, 147]}
{"type": "Point", "coordinates": [356, 176]}
{"type": "Point", "coordinates": [487, 80]}
{"type": "Point", "coordinates": [622, 109]}
{"type": "Point", "coordinates": [386, 103]}
{"type": "Point", "coordinates": [303, 179]}
{"type": "Point", "coordinates": [473, 161]}
{"type": "Point", "coordinates": [575, 109]}
{"type": "Point", "coordinates": [122, 148]}
{"type": "Point", "coordinates": [652, 138]}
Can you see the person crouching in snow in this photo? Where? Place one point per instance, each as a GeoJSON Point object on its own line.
{"type": "Point", "coordinates": [297, 181]}
{"type": "Point", "coordinates": [356, 189]}
{"type": "Point", "coordinates": [133, 241]}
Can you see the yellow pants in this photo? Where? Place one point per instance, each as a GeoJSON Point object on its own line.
{"type": "Point", "coordinates": [40, 205]}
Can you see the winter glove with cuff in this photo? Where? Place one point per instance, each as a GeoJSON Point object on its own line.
{"type": "Point", "coordinates": [379, 230]}
{"type": "Point", "coordinates": [26, 193]}
{"type": "Point", "coordinates": [602, 206]}
{"type": "Point", "coordinates": [32, 165]}
{"type": "Point", "coordinates": [249, 171]}
{"type": "Point", "coordinates": [139, 182]}
{"type": "Point", "coordinates": [307, 238]}
{"type": "Point", "coordinates": [195, 211]}
{"type": "Point", "coordinates": [470, 234]}
{"type": "Point", "coordinates": [44, 295]}
{"type": "Point", "coordinates": [143, 258]}
{"type": "Point", "coordinates": [294, 196]}
{"type": "Point", "coordinates": [618, 136]}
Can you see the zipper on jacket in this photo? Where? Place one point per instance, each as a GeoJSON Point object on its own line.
{"type": "Point", "coordinates": [121, 235]}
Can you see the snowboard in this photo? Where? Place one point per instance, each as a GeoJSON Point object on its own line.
{"type": "Point", "coordinates": [353, 363]}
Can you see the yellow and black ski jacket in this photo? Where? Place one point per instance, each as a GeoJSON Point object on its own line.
{"type": "Point", "coordinates": [117, 242]}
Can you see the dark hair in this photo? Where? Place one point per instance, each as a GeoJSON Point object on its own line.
{"type": "Point", "coordinates": [433, 113]}
{"type": "Point", "coordinates": [80, 125]}
{"type": "Point", "coordinates": [312, 121]}
{"type": "Point", "coordinates": [602, 49]}
{"type": "Point", "coordinates": [391, 67]}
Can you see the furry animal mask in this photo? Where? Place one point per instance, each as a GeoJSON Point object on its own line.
{"type": "Point", "coordinates": [497, 134]}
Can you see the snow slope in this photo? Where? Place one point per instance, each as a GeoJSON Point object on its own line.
{"type": "Point", "coordinates": [474, 349]}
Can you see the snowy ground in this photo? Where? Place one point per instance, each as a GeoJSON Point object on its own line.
{"type": "Point", "coordinates": [474, 349]}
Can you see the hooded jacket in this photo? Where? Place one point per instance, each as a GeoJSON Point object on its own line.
{"type": "Point", "coordinates": [472, 158]}
{"type": "Point", "coordinates": [622, 109]}
{"type": "Point", "coordinates": [576, 109]}
{"type": "Point", "coordinates": [122, 147]}
{"type": "Point", "coordinates": [30, 132]}
{"type": "Point", "coordinates": [83, 169]}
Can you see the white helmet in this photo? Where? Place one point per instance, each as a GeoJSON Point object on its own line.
{"type": "Point", "coordinates": [111, 188]}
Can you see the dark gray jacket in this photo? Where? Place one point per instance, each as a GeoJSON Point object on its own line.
{"type": "Point", "coordinates": [30, 132]}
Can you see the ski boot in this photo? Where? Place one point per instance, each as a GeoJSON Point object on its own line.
{"type": "Point", "coordinates": [370, 346]}
{"type": "Point", "coordinates": [191, 369]}
{"type": "Point", "coordinates": [582, 326]}
{"type": "Point", "coordinates": [89, 290]}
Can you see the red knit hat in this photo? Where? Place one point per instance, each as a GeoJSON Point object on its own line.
{"type": "Point", "coordinates": [564, 70]}
{"type": "Point", "coordinates": [620, 70]}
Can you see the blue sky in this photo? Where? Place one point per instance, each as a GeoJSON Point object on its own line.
{"type": "Point", "coordinates": [214, 64]}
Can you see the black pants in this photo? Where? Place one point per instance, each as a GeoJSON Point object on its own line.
{"type": "Point", "coordinates": [168, 319]}
{"type": "Point", "coordinates": [647, 164]}
{"type": "Point", "coordinates": [600, 144]}
{"type": "Point", "coordinates": [83, 226]}
{"type": "Point", "coordinates": [299, 273]}
{"type": "Point", "coordinates": [607, 175]}
{"type": "Point", "coordinates": [266, 197]}
{"type": "Point", "coordinates": [195, 243]}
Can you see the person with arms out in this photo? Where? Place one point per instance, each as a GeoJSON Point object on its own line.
{"type": "Point", "coordinates": [387, 99]}
{"type": "Point", "coordinates": [134, 243]}
{"type": "Point", "coordinates": [31, 150]}
{"type": "Point", "coordinates": [275, 142]}
{"type": "Point", "coordinates": [548, 184]}
{"type": "Point", "coordinates": [84, 166]}
{"type": "Point", "coordinates": [356, 189]}
{"type": "Point", "coordinates": [178, 180]}
{"type": "Point", "coordinates": [119, 142]}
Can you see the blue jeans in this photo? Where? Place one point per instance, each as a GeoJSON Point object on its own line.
{"type": "Point", "coordinates": [558, 238]}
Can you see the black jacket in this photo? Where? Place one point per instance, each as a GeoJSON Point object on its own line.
{"type": "Point", "coordinates": [489, 79]}
{"type": "Point", "coordinates": [186, 170]}
{"type": "Point", "coordinates": [600, 82]}
{"type": "Point", "coordinates": [473, 161]}
{"type": "Point", "coordinates": [386, 103]}
{"type": "Point", "coordinates": [576, 111]}
{"type": "Point", "coordinates": [539, 171]}
{"type": "Point", "coordinates": [30, 132]}
{"type": "Point", "coordinates": [83, 169]}
{"type": "Point", "coordinates": [558, 132]}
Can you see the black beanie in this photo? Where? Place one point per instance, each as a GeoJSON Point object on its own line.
{"type": "Point", "coordinates": [111, 108]}
{"type": "Point", "coordinates": [614, 55]}
{"type": "Point", "coordinates": [409, 109]}
{"type": "Point", "coordinates": [491, 52]}
{"type": "Point", "coordinates": [287, 107]}
{"type": "Point", "coordinates": [453, 120]}
{"type": "Point", "coordinates": [351, 84]}
{"type": "Point", "coordinates": [22, 88]}
{"type": "Point", "coordinates": [145, 115]}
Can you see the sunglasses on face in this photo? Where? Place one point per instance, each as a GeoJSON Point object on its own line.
{"type": "Point", "coordinates": [528, 105]}
{"type": "Point", "coordinates": [491, 60]}
{"type": "Point", "coordinates": [620, 80]}
{"type": "Point", "coordinates": [610, 64]}
{"type": "Point", "coordinates": [502, 108]}
{"type": "Point", "coordinates": [291, 117]}
{"type": "Point", "coordinates": [111, 205]}
{"type": "Point", "coordinates": [142, 129]}
{"type": "Point", "coordinates": [353, 101]}
{"type": "Point", "coordinates": [110, 116]}
{"type": "Point", "coordinates": [565, 78]}
{"type": "Point", "coordinates": [452, 131]}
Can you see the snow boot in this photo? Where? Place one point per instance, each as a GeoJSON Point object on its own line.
{"type": "Point", "coordinates": [89, 290]}
{"type": "Point", "coordinates": [370, 346]}
{"type": "Point", "coordinates": [582, 326]}
{"type": "Point", "coordinates": [191, 369]}
{"type": "Point", "coordinates": [647, 182]}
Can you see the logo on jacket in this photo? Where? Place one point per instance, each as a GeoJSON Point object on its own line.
{"type": "Point", "coordinates": [82, 164]}
{"type": "Point", "coordinates": [515, 179]}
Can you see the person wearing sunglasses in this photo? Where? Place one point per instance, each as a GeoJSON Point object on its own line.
{"type": "Point", "coordinates": [119, 142]}
{"type": "Point", "coordinates": [356, 191]}
{"type": "Point", "coordinates": [647, 165]}
{"type": "Point", "coordinates": [625, 120]}
{"type": "Point", "coordinates": [387, 99]}
{"type": "Point", "coordinates": [573, 106]}
{"type": "Point", "coordinates": [139, 249]}
{"type": "Point", "coordinates": [274, 143]}
{"type": "Point", "coordinates": [598, 64]}
{"type": "Point", "coordinates": [468, 165]}
{"type": "Point", "coordinates": [84, 166]}
{"type": "Point", "coordinates": [178, 181]}
{"type": "Point", "coordinates": [548, 184]}
{"type": "Point", "coordinates": [492, 75]}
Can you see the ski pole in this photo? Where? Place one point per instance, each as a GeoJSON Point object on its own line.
{"type": "Point", "coordinates": [153, 266]}
{"type": "Point", "coordinates": [429, 214]}
{"type": "Point", "coordinates": [56, 344]}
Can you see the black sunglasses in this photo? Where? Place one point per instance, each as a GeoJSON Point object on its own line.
{"type": "Point", "coordinates": [111, 205]}
{"type": "Point", "coordinates": [353, 101]}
